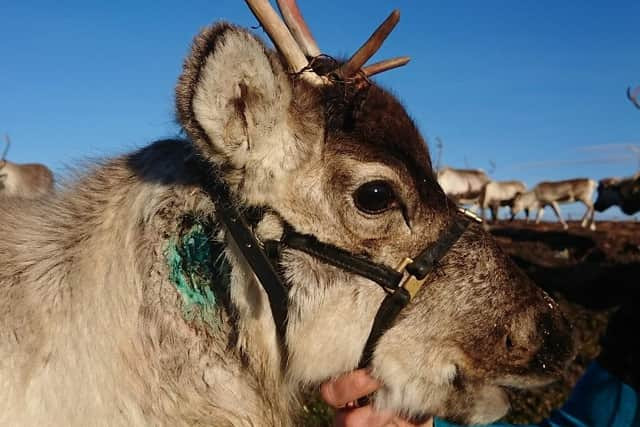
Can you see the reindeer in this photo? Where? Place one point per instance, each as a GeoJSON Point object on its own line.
{"type": "Point", "coordinates": [462, 185]}
{"type": "Point", "coordinates": [495, 194]}
{"type": "Point", "coordinates": [553, 192]}
{"type": "Point", "coordinates": [299, 233]}
{"type": "Point", "coordinates": [28, 181]}
{"type": "Point", "coordinates": [623, 192]}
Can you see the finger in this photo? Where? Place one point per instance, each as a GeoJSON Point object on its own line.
{"type": "Point", "coordinates": [348, 387]}
{"type": "Point", "coordinates": [367, 416]}
{"type": "Point", "coordinates": [401, 422]}
{"type": "Point", "coordinates": [363, 417]}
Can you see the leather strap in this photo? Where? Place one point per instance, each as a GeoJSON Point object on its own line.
{"type": "Point", "coordinates": [419, 269]}
{"type": "Point", "coordinates": [385, 276]}
{"type": "Point", "coordinates": [387, 313]}
{"type": "Point", "coordinates": [236, 225]}
{"type": "Point", "coordinates": [424, 263]}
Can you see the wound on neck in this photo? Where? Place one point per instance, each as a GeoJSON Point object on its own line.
{"type": "Point", "coordinates": [197, 266]}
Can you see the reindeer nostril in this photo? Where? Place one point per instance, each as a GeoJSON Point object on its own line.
{"type": "Point", "coordinates": [508, 343]}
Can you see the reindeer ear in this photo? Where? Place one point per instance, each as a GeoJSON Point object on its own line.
{"type": "Point", "coordinates": [233, 97]}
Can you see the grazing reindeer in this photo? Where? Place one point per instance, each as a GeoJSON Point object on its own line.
{"type": "Point", "coordinates": [462, 185]}
{"type": "Point", "coordinates": [499, 193]}
{"type": "Point", "coordinates": [554, 192]}
{"type": "Point", "coordinates": [623, 192]}
{"type": "Point", "coordinates": [27, 181]}
{"type": "Point", "coordinates": [208, 282]}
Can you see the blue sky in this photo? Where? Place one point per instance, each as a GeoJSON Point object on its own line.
{"type": "Point", "coordinates": [537, 88]}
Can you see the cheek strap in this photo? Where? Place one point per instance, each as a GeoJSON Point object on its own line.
{"type": "Point", "coordinates": [414, 278]}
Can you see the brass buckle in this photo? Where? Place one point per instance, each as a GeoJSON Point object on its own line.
{"type": "Point", "coordinates": [469, 214]}
{"type": "Point", "coordinates": [411, 283]}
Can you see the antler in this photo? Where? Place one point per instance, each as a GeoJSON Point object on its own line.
{"type": "Point", "coordinates": [299, 29]}
{"type": "Point", "coordinates": [7, 142]}
{"type": "Point", "coordinates": [387, 64]}
{"type": "Point", "coordinates": [283, 40]}
{"type": "Point", "coordinates": [296, 43]}
{"type": "Point", "coordinates": [370, 47]}
{"type": "Point", "coordinates": [633, 96]}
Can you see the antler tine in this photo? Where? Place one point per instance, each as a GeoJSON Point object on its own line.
{"type": "Point", "coordinates": [298, 27]}
{"type": "Point", "coordinates": [282, 39]}
{"type": "Point", "coordinates": [634, 97]}
{"type": "Point", "coordinates": [387, 64]}
{"type": "Point", "coordinates": [7, 144]}
{"type": "Point", "coordinates": [371, 46]}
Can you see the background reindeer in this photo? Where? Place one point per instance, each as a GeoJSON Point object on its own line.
{"type": "Point", "coordinates": [124, 301]}
{"type": "Point", "coordinates": [28, 181]}
{"type": "Point", "coordinates": [496, 194]}
{"type": "Point", "coordinates": [553, 192]}
{"type": "Point", "coordinates": [622, 192]}
{"type": "Point", "coordinates": [463, 185]}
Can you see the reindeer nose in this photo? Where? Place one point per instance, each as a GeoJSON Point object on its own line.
{"type": "Point", "coordinates": [558, 346]}
{"type": "Point", "coordinates": [542, 342]}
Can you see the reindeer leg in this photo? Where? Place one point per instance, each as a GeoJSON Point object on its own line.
{"type": "Point", "coordinates": [585, 217]}
{"type": "Point", "coordinates": [589, 216]}
{"type": "Point", "coordinates": [493, 213]}
{"type": "Point", "coordinates": [539, 214]}
{"type": "Point", "coordinates": [556, 209]}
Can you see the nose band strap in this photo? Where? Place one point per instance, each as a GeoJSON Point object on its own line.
{"type": "Point", "coordinates": [416, 272]}
{"type": "Point", "coordinates": [424, 263]}
{"type": "Point", "coordinates": [385, 276]}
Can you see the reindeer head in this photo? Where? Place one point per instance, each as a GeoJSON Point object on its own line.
{"type": "Point", "coordinates": [624, 193]}
{"type": "Point", "coordinates": [325, 150]}
{"type": "Point", "coordinates": [608, 194]}
{"type": "Point", "coordinates": [524, 201]}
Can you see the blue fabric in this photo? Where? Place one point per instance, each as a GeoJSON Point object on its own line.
{"type": "Point", "coordinates": [597, 400]}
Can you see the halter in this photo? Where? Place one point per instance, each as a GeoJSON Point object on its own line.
{"type": "Point", "coordinates": [401, 284]}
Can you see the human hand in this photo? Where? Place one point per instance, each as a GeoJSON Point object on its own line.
{"type": "Point", "coordinates": [342, 393]}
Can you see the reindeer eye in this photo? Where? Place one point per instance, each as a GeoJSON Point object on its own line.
{"type": "Point", "coordinates": [375, 197]}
